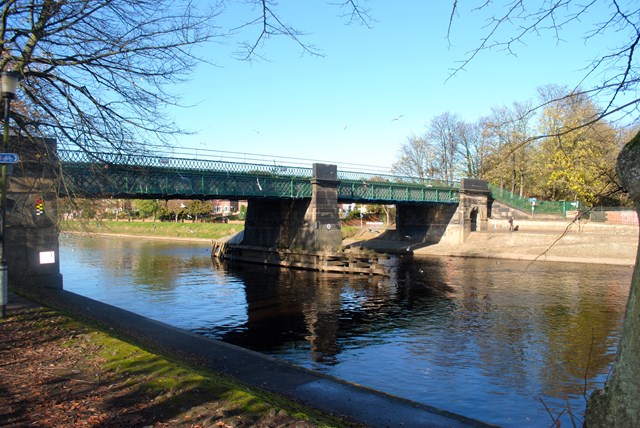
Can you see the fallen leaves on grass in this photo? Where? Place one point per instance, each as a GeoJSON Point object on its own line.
{"type": "Point", "coordinates": [54, 373]}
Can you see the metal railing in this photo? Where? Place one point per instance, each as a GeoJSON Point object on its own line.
{"type": "Point", "coordinates": [524, 204]}
{"type": "Point", "coordinates": [150, 176]}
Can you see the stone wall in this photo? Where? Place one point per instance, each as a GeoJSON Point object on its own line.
{"type": "Point", "coordinates": [31, 218]}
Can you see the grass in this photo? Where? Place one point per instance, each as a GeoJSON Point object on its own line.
{"type": "Point", "coordinates": [158, 229]}
{"type": "Point", "coordinates": [168, 229]}
{"type": "Point", "coordinates": [133, 381]}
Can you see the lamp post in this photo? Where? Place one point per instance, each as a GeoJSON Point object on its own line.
{"type": "Point", "coordinates": [9, 86]}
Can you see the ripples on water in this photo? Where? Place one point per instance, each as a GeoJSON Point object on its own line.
{"type": "Point", "coordinates": [485, 338]}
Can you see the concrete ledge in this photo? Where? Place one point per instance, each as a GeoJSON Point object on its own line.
{"type": "Point", "coordinates": [325, 393]}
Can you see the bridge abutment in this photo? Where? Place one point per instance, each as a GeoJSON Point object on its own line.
{"type": "Point", "coordinates": [435, 222]}
{"type": "Point", "coordinates": [31, 228]}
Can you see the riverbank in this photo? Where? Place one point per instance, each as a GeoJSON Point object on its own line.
{"type": "Point", "coordinates": [557, 241]}
{"type": "Point", "coordinates": [57, 371]}
{"type": "Point", "coordinates": [548, 241]}
{"type": "Point", "coordinates": [62, 370]}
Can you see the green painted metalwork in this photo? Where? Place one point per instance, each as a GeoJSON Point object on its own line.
{"type": "Point", "coordinates": [145, 176]}
{"type": "Point", "coordinates": [541, 207]}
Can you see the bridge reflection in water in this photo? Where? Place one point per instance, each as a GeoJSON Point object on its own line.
{"type": "Point", "coordinates": [476, 337]}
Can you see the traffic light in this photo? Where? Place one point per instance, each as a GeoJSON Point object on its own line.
{"type": "Point", "coordinates": [39, 206]}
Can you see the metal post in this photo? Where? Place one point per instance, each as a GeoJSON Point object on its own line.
{"type": "Point", "coordinates": [4, 270]}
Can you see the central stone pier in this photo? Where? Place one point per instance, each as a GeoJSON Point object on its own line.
{"type": "Point", "coordinates": [298, 224]}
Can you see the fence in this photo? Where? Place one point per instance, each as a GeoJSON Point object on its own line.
{"type": "Point", "coordinates": [521, 203]}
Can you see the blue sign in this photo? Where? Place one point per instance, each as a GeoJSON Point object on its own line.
{"type": "Point", "coordinates": [9, 158]}
{"type": "Point", "coordinates": [532, 200]}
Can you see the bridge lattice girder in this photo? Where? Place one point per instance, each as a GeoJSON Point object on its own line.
{"type": "Point", "coordinates": [168, 178]}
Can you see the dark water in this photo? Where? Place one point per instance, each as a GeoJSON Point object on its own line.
{"type": "Point", "coordinates": [493, 340]}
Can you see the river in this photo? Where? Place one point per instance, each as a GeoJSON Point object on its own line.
{"type": "Point", "coordinates": [506, 342]}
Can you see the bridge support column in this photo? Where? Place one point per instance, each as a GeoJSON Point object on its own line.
{"type": "Point", "coordinates": [300, 224]}
{"type": "Point", "coordinates": [474, 206]}
{"type": "Point", "coordinates": [32, 221]}
{"type": "Point", "coordinates": [321, 226]}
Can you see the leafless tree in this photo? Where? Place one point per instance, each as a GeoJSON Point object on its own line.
{"type": "Point", "coordinates": [415, 159]}
{"type": "Point", "coordinates": [267, 20]}
{"type": "Point", "coordinates": [94, 73]}
{"type": "Point", "coordinates": [510, 24]}
{"type": "Point", "coordinates": [97, 73]}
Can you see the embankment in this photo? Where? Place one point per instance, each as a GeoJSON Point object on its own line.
{"type": "Point", "coordinates": [548, 241]}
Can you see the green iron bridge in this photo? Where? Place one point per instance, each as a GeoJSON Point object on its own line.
{"type": "Point", "coordinates": [102, 175]}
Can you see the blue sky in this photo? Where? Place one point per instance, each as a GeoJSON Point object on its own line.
{"type": "Point", "coordinates": [341, 107]}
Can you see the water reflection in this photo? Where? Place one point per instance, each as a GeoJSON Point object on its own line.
{"type": "Point", "coordinates": [477, 337]}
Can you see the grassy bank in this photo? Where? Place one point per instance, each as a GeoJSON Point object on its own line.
{"type": "Point", "coordinates": [58, 371]}
{"type": "Point", "coordinates": [158, 229]}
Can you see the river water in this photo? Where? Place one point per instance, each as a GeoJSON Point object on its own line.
{"type": "Point", "coordinates": [506, 342]}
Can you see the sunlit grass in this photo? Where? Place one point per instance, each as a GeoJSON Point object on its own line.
{"type": "Point", "coordinates": [172, 388]}
{"type": "Point", "coordinates": [157, 229]}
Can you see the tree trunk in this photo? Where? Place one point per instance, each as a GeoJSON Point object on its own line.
{"type": "Point", "coordinates": [618, 403]}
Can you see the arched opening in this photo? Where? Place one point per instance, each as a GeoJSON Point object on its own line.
{"type": "Point", "coordinates": [473, 217]}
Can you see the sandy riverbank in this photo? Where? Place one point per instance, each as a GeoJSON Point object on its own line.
{"type": "Point", "coordinates": [540, 240]}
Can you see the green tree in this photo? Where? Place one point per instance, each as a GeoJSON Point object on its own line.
{"type": "Point", "coordinates": [148, 208]}
{"type": "Point", "coordinates": [198, 208]}
{"type": "Point", "coordinates": [578, 162]}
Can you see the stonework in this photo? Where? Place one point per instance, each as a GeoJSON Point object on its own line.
{"type": "Point", "coordinates": [31, 218]}
{"type": "Point", "coordinates": [301, 224]}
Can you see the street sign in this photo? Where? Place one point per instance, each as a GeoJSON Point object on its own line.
{"type": "Point", "coordinates": [9, 158]}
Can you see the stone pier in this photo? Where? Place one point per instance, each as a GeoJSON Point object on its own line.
{"type": "Point", "coordinates": [298, 224]}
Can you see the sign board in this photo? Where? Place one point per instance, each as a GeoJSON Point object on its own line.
{"type": "Point", "coordinates": [9, 158]}
{"type": "Point", "coordinates": [532, 200]}
{"type": "Point", "coordinates": [47, 257]}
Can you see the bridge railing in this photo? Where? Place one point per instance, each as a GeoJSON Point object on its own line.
{"type": "Point", "coordinates": [144, 175]}
{"type": "Point", "coordinates": [398, 179]}
{"type": "Point", "coordinates": [179, 164]}
{"type": "Point", "coordinates": [524, 204]}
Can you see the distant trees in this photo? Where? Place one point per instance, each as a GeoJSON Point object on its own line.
{"type": "Point", "coordinates": [149, 208]}
{"type": "Point", "coordinates": [415, 159]}
{"type": "Point", "coordinates": [444, 151]}
{"type": "Point", "coordinates": [531, 152]}
{"type": "Point", "coordinates": [197, 209]}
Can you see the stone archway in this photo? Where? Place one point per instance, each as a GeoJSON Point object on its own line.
{"type": "Point", "coordinates": [473, 219]}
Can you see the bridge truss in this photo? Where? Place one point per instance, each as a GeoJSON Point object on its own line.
{"type": "Point", "coordinates": [103, 175]}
